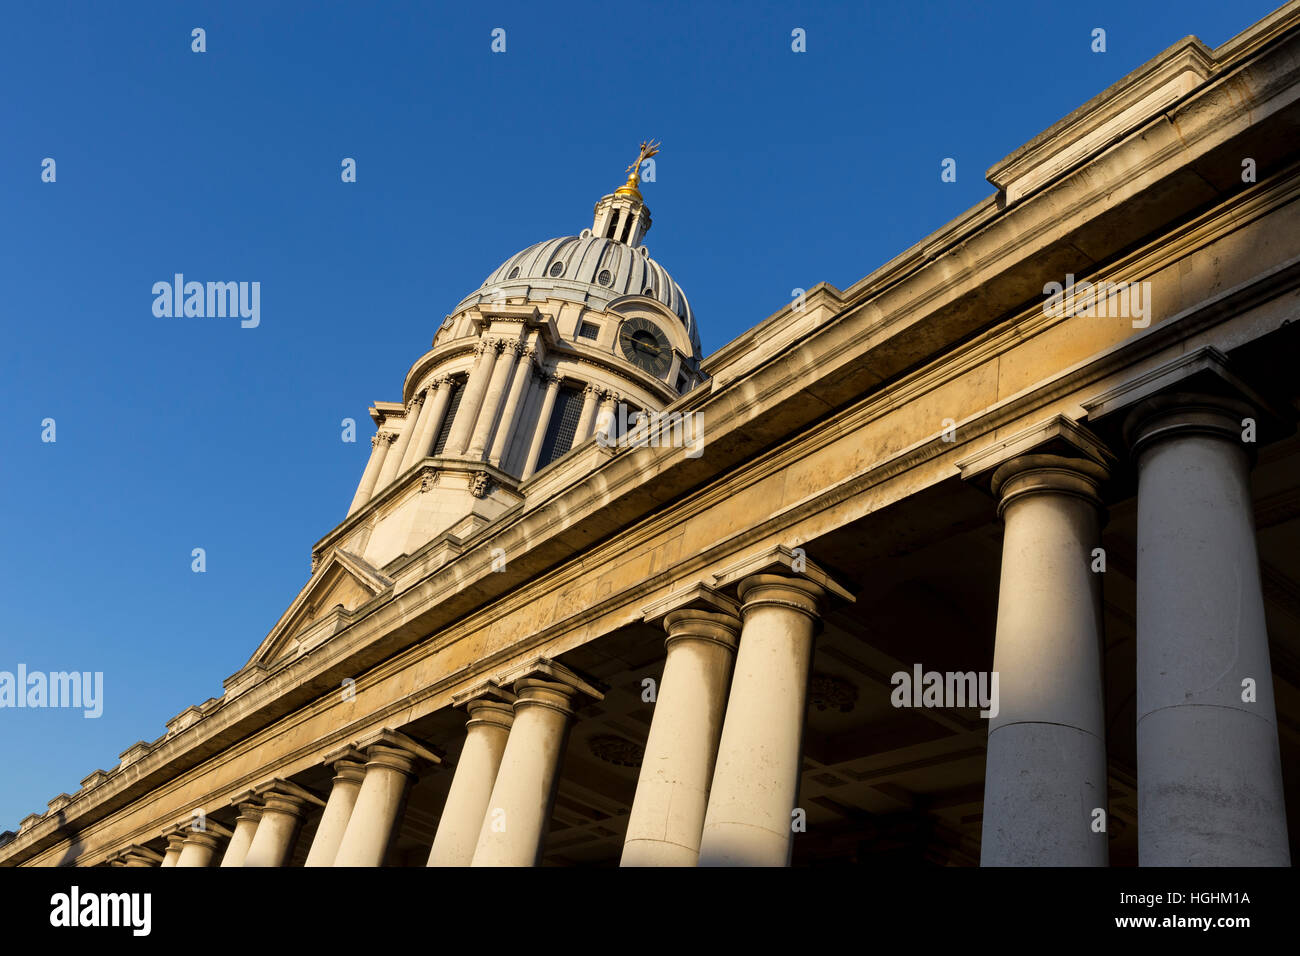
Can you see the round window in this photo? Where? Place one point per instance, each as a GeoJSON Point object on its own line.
{"type": "Point", "coordinates": [514, 273]}
{"type": "Point", "coordinates": [605, 278]}
{"type": "Point", "coordinates": [557, 270]}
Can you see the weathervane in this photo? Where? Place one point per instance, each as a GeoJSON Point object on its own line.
{"type": "Point", "coordinates": [648, 148]}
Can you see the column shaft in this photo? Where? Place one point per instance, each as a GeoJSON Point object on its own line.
{"type": "Point", "coordinates": [392, 464]}
{"type": "Point", "coordinates": [756, 780]}
{"type": "Point", "coordinates": [511, 354]}
{"type": "Point", "coordinates": [379, 446]}
{"type": "Point", "coordinates": [1045, 776]}
{"type": "Point", "coordinates": [523, 793]}
{"type": "Point", "coordinates": [389, 771]}
{"type": "Point", "coordinates": [506, 428]}
{"type": "Point", "coordinates": [441, 398]}
{"type": "Point", "coordinates": [1209, 771]}
{"type": "Point", "coordinates": [245, 827]}
{"type": "Point", "coordinates": [471, 787]}
{"type": "Point", "coordinates": [475, 388]}
{"type": "Point", "coordinates": [672, 791]}
{"type": "Point", "coordinates": [543, 421]}
{"type": "Point", "coordinates": [590, 399]}
{"type": "Point", "coordinates": [349, 772]}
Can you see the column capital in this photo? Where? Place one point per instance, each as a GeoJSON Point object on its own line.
{"type": "Point", "coordinates": [784, 562]}
{"type": "Point", "coordinates": [135, 855]}
{"type": "Point", "coordinates": [1180, 414]}
{"type": "Point", "coordinates": [395, 750]}
{"type": "Point", "coordinates": [284, 796]}
{"type": "Point", "coordinates": [1057, 437]}
{"type": "Point", "coordinates": [543, 671]}
{"type": "Point", "coordinates": [779, 590]}
{"type": "Point", "coordinates": [1203, 378]}
{"type": "Point", "coordinates": [1050, 474]}
{"type": "Point", "coordinates": [697, 612]}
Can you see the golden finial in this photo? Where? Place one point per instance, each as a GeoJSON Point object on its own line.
{"type": "Point", "coordinates": [648, 148]}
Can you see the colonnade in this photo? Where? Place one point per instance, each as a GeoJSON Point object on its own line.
{"type": "Point", "coordinates": [1208, 765]}
{"type": "Point", "coordinates": [496, 393]}
{"type": "Point", "coordinates": [720, 775]}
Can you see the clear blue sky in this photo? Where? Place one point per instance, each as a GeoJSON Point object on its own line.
{"type": "Point", "coordinates": [778, 170]}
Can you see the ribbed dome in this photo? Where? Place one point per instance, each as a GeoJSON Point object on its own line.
{"type": "Point", "coordinates": [588, 268]}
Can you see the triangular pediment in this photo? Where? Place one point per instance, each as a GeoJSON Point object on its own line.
{"type": "Point", "coordinates": [341, 585]}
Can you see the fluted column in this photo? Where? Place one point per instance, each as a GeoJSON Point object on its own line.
{"type": "Point", "coordinates": [590, 399]}
{"type": "Point", "coordinates": [284, 805]}
{"type": "Point", "coordinates": [672, 791]}
{"type": "Point", "coordinates": [175, 842]}
{"type": "Point", "coordinates": [519, 810]}
{"type": "Point", "coordinates": [200, 846]}
{"type": "Point", "coordinates": [436, 402]}
{"type": "Point", "coordinates": [1209, 771]}
{"type": "Point", "coordinates": [543, 422]}
{"type": "Point", "coordinates": [1045, 776]}
{"type": "Point", "coordinates": [475, 388]}
{"type": "Point", "coordinates": [389, 771]}
{"type": "Point", "coordinates": [756, 780]}
{"type": "Point", "coordinates": [349, 765]}
{"type": "Point", "coordinates": [250, 814]}
{"type": "Point", "coordinates": [518, 385]}
{"type": "Point", "coordinates": [511, 354]}
{"type": "Point", "coordinates": [379, 445]}
{"type": "Point", "coordinates": [471, 788]}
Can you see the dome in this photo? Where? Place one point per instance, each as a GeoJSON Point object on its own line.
{"type": "Point", "coordinates": [589, 269]}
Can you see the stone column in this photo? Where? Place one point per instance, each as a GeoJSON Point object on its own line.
{"type": "Point", "coordinates": [607, 416]}
{"type": "Point", "coordinates": [284, 805]}
{"type": "Point", "coordinates": [379, 446]}
{"type": "Point", "coordinates": [476, 773]}
{"type": "Point", "coordinates": [175, 842]}
{"type": "Point", "coordinates": [349, 765]}
{"type": "Point", "coordinates": [435, 403]}
{"type": "Point", "coordinates": [523, 372]}
{"type": "Point", "coordinates": [1045, 776]}
{"type": "Point", "coordinates": [200, 846]}
{"type": "Point", "coordinates": [590, 399]}
{"type": "Point", "coordinates": [412, 452]}
{"type": "Point", "coordinates": [543, 421]}
{"type": "Point", "coordinates": [475, 388]}
{"type": "Point", "coordinates": [1209, 771]}
{"type": "Point", "coordinates": [392, 463]}
{"type": "Point", "coordinates": [514, 828]}
{"type": "Point", "coordinates": [511, 354]}
{"type": "Point", "coordinates": [389, 770]}
{"type": "Point", "coordinates": [672, 791]}
{"type": "Point", "coordinates": [250, 814]}
{"type": "Point", "coordinates": [756, 780]}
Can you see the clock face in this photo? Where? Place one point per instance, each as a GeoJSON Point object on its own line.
{"type": "Point", "coordinates": [645, 346]}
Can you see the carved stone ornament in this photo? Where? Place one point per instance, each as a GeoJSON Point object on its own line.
{"type": "Point", "coordinates": [480, 484]}
{"type": "Point", "coordinates": [828, 692]}
{"type": "Point", "coordinates": [616, 750]}
{"type": "Point", "coordinates": [428, 481]}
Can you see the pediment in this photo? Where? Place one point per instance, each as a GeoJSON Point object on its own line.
{"type": "Point", "coordinates": [341, 584]}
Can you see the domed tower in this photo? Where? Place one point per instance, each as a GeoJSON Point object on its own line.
{"type": "Point", "coordinates": [533, 364]}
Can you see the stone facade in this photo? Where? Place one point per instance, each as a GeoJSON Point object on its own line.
{"type": "Point", "coordinates": [534, 639]}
